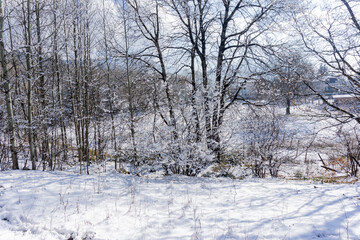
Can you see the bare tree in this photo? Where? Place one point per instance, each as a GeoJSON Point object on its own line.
{"type": "Point", "coordinates": [267, 143]}
{"type": "Point", "coordinates": [29, 78]}
{"type": "Point", "coordinates": [288, 74]}
{"type": "Point", "coordinates": [223, 34]}
{"type": "Point", "coordinates": [111, 100]}
{"type": "Point", "coordinates": [333, 38]}
{"type": "Point", "coordinates": [149, 24]}
{"type": "Point", "coordinates": [5, 82]}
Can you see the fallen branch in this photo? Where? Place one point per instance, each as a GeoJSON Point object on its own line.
{"type": "Point", "coordinates": [330, 169]}
{"type": "Point", "coordinates": [324, 165]}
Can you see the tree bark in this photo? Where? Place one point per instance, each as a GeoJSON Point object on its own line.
{"type": "Point", "coordinates": [7, 89]}
{"type": "Point", "coordinates": [129, 87]}
{"type": "Point", "coordinates": [29, 77]}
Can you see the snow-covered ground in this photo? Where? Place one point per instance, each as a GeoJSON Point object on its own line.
{"type": "Point", "coordinates": [57, 205]}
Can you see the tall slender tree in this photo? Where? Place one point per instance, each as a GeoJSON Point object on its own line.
{"type": "Point", "coordinates": [27, 9]}
{"type": "Point", "coordinates": [7, 89]}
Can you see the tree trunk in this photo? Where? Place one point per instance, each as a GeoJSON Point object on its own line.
{"type": "Point", "coordinates": [7, 89]}
{"type": "Point", "coordinates": [58, 81]}
{"type": "Point", "coordinates": [76, 98]}
{"type": "Point", "coordinates": [129, 88]}
{"type": "Point", "coordinates": [45, 140]}
{"type": "Point", "coordinates": [195, 117]}
{"type": "Point", "coordinates": [29, 85]}
{"type": "Point", "coordinates": [288, 103]}
{"type": "Point", "coordinates": [107, 62]}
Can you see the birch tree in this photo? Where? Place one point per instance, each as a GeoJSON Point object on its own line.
{"type": "Point", "coordinates": [5, 82]}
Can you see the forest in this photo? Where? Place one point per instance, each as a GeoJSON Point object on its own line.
{"type": "Point", "coordinates": [179, 86]}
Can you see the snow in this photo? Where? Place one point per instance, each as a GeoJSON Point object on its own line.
{"type": "Point", "coordinates": [344, 96]}
{"type": "Point", "coordinates": [57, 205]}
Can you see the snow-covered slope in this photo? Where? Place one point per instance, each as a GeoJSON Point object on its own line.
{"type": "Point", "coordinates": [57, 205]}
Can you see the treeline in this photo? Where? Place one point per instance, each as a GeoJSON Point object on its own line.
{"type": "Point", "coordinates": [80, 77]}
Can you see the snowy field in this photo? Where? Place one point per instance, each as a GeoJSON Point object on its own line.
{"type": "Point", "coordinates": [61, 205]}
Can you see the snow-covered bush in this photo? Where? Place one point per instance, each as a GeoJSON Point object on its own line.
{"type": "Point", "coordinates": [186, 159]}
{"type": "Point", "coordinates": [266, 142]}
{"type": "Point", "coordinates": [349, 160]}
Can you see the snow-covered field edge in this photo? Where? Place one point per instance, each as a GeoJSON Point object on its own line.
{"type": "Point", "coordinates": [66, 205]}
